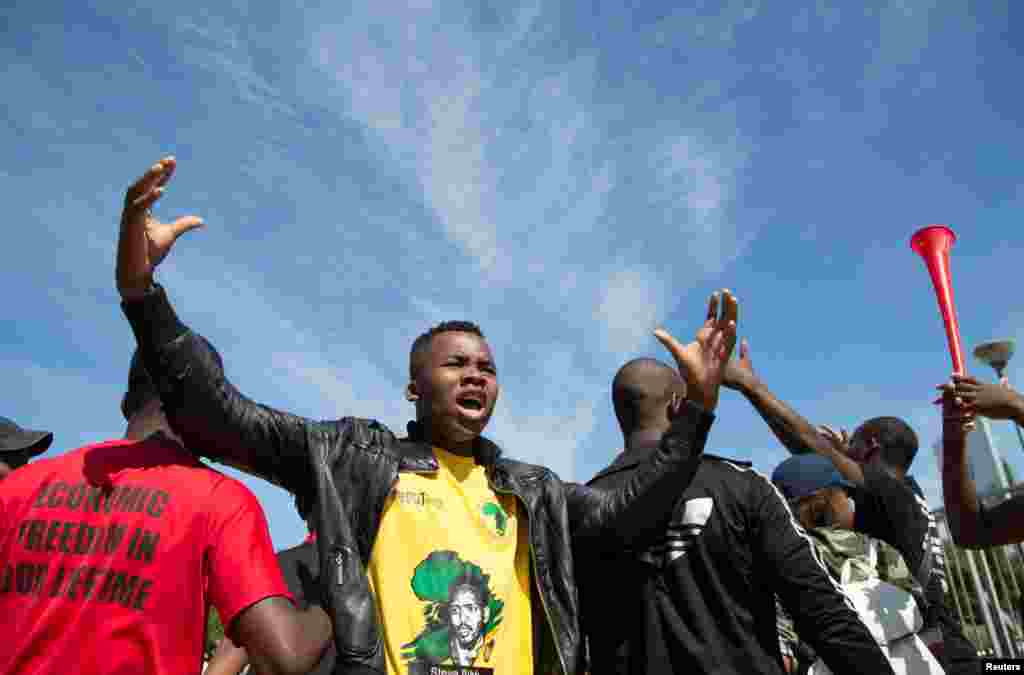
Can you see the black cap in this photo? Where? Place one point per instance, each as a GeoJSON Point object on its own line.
{"type": "Point", "coordinates": [14, 439]}
{"type": "Point", "coordinates": [140, 388]}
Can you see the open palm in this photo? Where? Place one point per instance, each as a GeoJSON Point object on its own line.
{"type": "Point", "coordinates": [702, 363]}
{"type": "Point", "coordinates": [144, 240]}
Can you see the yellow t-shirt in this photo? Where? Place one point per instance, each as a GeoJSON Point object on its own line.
{"type": "Point", "coordinates": [450, 570]}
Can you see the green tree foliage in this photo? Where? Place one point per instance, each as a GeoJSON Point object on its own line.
{"type": "Point", "coordinates": [214, 631]}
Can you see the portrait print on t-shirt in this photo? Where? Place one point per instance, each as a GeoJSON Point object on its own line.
{"type": "Point", "coordinates": [461, 614]}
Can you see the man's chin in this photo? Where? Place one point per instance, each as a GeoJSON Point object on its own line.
{"type": "Point", "coordinates": [471, 426]}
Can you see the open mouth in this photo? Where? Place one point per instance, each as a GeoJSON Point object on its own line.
{"type": "Point", "coordinates": [474, 402]}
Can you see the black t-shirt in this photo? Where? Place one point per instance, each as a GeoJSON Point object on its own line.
{"type": "Point", "coordinates": [888, 509]}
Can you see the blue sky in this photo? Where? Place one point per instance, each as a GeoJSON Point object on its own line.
{"type": "Point", "coordinates": [569, 176]}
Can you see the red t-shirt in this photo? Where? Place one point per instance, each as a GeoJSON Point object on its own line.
{"type": "Point", "coordinates": [111, 555]}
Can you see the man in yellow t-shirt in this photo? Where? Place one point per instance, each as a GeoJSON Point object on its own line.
{"type": "Point", "coordinates": [436, 548]}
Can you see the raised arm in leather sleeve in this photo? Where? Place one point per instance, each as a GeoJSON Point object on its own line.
{"type": "Point", "coordinates": [639, 511]}
{"type": "Point", "coordinates": [212, 417]}
{"type": "Point", "coordinates": [822, 614]}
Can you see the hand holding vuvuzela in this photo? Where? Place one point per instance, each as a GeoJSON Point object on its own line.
{"type": "Point", "coordinates": [144, 241]}
{"type": "Point", "coordinates": [702, 363]}
{"type": "Point", "coordinates": [958, 409]}
{"type": "Point", "coordinates": [994, 400]}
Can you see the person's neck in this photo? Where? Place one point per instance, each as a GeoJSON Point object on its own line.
{"type": "Point", "coordinates": [894, 471]}
{"type": "Point", "coordinates": [642, 438]}
{"type": "Point", "coordinates": [464, 448]}
{"type": "Point", "coordinates": [141, 428]}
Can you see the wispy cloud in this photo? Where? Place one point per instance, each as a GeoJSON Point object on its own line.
{"type": "Point", "coordinates": [567, 178]}
{"type": "Point", "coordinates": [512, 156]}
{"type": "Point", "coordinates": [211, 43]}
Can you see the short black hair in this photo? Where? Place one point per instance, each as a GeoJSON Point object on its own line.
{"type": "Point", "coordinates": [476, 582]}
{"type": "Point", "coordinates": [141, 389]}
{"type": "Point", "coordinates": [422, 343]}
{"type": "Point", "coordinates": [897, 441]}
{"type": "Point", "coordinates": [640, 390]}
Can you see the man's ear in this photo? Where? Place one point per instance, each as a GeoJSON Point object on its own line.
{"type": "Point", "coordinates": [411, 391]}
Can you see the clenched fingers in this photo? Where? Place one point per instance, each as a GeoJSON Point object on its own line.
{"type": "Point", "coordinates": [713, 307]}
{"type": "Point", "coordinates": [147, 199]}
{"type": "Point", "coordinates": [839, 439]}
{"type": "Point", "coordinates": [730, 307]}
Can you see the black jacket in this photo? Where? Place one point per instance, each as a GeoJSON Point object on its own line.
{"type": "Point", "coordinates": [348, 467]}
{"type": "Point", "coordinates": [702, 599]}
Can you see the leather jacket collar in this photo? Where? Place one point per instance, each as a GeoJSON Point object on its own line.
{"type": "Point", "coordinates": [417, 454]}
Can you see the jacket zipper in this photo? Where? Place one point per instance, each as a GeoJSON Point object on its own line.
{"type": "Point", "coordinates": [536, 577]}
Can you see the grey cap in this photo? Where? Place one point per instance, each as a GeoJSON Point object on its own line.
{"type": "Point", "coordinates": [15, 439]}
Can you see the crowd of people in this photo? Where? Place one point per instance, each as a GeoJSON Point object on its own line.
{"type": "Point", "coordinates": [435, 553]}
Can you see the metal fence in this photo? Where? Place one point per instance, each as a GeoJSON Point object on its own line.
{"type": "Point", "coordinates": [985, 588]}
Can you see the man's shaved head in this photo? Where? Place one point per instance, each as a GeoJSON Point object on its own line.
{"type": "Point", "coordinates": [642, 391]}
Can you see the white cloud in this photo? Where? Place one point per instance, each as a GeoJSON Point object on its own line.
{"type": "Point", "coordinates": [544, 421]}
{"type": "Point", "coordinates": [499, 134]}
{"type": "Point", "coordinates": [213, 44]}
{"type": "Point", "coordinates": [629, 308]}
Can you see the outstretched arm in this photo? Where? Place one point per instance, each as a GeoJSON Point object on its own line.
{"type": "Point", "coordinates": [642, 507]}
{"type": "Point", "coordinates": [639, 510]}
{"type": "Point", "coordinates": [203, 407]}
{"type": "Point", "coordinates": [971, 524]}
{"type": "Point", "coordinates": [794, 432]}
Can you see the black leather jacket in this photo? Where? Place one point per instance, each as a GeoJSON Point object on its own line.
{"type": "Point", "coordinates": [347, 468]}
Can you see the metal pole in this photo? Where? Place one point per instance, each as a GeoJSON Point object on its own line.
{"type": "Point", "coordinates": [1014, 623]}
{"type": "Point", "coordinates": [956, 590]}
{"type": "Point", "coordinates": [1007, 617]}
{"type": "Point", "coordinates": [951, 563]}
{"type": "Point", "coordinates": [1000, 624]}
{"type": "Point", "coordinates": [1009, 569]}
{"type": "Point", "coordinates": [997, 649]}
{"type": "Point", "coordinates": [959, 583]}
{"type": "Point", "coordinates": [958, 554]}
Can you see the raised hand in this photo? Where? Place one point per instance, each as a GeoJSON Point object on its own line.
{"type": "Point", "coordinates": [739, 372]}
{"type": "Point", "coordinates": [702, 363]}
{"type": "Point", "coordinates": [145, 241]}
{"type": "Point", "coordinates": [957, 412]}
{"type": "Point", "coordinates": [839, 439]}
{"type": "Point", "coordinates": [995, 400]}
